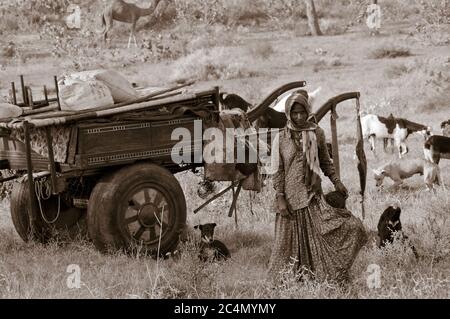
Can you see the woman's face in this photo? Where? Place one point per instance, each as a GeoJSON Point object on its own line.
{"type": "Point", "coordinates": [299, 115]}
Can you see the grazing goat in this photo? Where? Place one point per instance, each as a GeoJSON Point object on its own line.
{"type": "Point", "coordinates": [437, 147]}
{"type": "Point", "coordinates": [390, 224]}
{"type": "Point", "coordinates": [398, 129]}
{"type": "Point", "coordinates": [211, 247]}
{"type": "Point", "coordinates": [400, 170]}
{"type": "Point", "coordinates": [445, 127]}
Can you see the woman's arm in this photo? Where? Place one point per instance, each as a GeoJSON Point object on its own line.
{"type": "Point", "coordinates": [278, 176]}
{"type": "Point", "coordinates": [326, 165]}
{"type": "Point", "coordinates": [278, 180]}
{"type": "Point", "coordinates": [324, 158]}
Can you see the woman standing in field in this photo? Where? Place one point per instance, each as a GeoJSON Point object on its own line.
{"type": "Point", "coordinates": [311, 236]}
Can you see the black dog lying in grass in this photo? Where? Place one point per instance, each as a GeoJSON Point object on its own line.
{"type": "Point", "coordinates": [210, 246]}
{"type": "Point", "coordinates": [390, 224]}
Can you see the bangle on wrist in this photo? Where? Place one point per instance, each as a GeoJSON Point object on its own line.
{"type": "Point", "coordinates": [280, 194]}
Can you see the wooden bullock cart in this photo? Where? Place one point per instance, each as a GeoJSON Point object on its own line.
{"type": "Point", "coordinates": [117, 169]}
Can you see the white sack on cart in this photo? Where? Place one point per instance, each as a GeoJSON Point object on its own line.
{"type": "Point", "coordinates": [121, 89]}
{"type": "Point", "coordinates": [84, 95]}
{"type": "Point", "coordinates": [9, 110]}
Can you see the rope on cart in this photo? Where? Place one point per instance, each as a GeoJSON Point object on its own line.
{"type": "Point", "coordinates": [43, 191]}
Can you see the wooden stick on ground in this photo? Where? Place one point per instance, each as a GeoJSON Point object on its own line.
{"type": "Point", "coordinates": [223, 191]}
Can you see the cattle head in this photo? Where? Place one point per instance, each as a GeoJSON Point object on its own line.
{"type": "Point", "coordinates": [207, 232]}
{"type": "Point", "coordinates": [379, 175]}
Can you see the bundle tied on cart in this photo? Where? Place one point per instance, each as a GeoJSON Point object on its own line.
{"type": "Point", "coordinates": [61, 137]}
{"type": "Point", "coordinates": [231, 154]}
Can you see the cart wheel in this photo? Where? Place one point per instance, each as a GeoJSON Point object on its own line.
{"type": "Point", "coordinates": [137, 207]}
{"type": "Point", "coordinates": [20, 214]}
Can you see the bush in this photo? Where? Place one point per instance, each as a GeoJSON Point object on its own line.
{"type": "Point", "coordinates": [212, 64]}
{"type": "Point", "coordinates": [9, 23]}
{"type": "Point", "coordinates": [390, 52]}
{"type": "Point", "coordinates": [395, 71]}
{"type": "Point", "coordinates": [332, 27]}
{"type": "Point", "coordinates": [262, 50]}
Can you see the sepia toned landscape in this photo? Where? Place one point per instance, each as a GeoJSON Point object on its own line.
{"type": "Point", "coordinates": [248, 48]}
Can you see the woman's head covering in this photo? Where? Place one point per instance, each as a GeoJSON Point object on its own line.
{"type": "Point", "coordinates": [299, 97]}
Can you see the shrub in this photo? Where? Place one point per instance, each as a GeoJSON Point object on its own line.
{"type": "Point", "coordinates": [332, 27]}
{"type": "Point", "coordinates": [212, 64]}
{"type": "Point", "coordinates": [390, 52]}
{"type": "Point", "coordinates": [395, 71]}
{"type": "Point", "coordinates": [10, 23]}
{"type": "Point", "coordinates": [262, 50]}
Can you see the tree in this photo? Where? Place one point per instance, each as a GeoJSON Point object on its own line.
{"type": "Point", "coordinates": [313, 20]}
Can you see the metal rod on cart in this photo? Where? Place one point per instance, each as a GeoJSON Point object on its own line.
{"type": "Point", "coordinates": [57, 91]}
{"type": "Point", "coordinates": [32, 195]}
{"type": "Point", "coordinates": [13, 88]}
{"type": "Point", "coordinates": [51, 157]}
{"type": "Point", "coordinates": [24, 94]}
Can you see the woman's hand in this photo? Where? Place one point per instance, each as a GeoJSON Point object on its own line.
{"type": "Point", "coordinates": [283, 206]}
{"type": "Point", "coordinates": [341, 189]}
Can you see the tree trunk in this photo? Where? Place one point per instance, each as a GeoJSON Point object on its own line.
{"type": "Point", "coordinates": [313, 21]}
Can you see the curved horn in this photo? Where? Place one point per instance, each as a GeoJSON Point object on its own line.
{"type": "Point", "coordinates": [260, 109]}
{"type": "Point", "coordinates": [314, 93]}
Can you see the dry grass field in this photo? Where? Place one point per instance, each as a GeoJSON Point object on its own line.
{"type": "Point", "coordinates": [405, 71]}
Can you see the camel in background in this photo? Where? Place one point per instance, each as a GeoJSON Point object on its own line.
{"type": "Point", "coordinates": [122, 11]}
